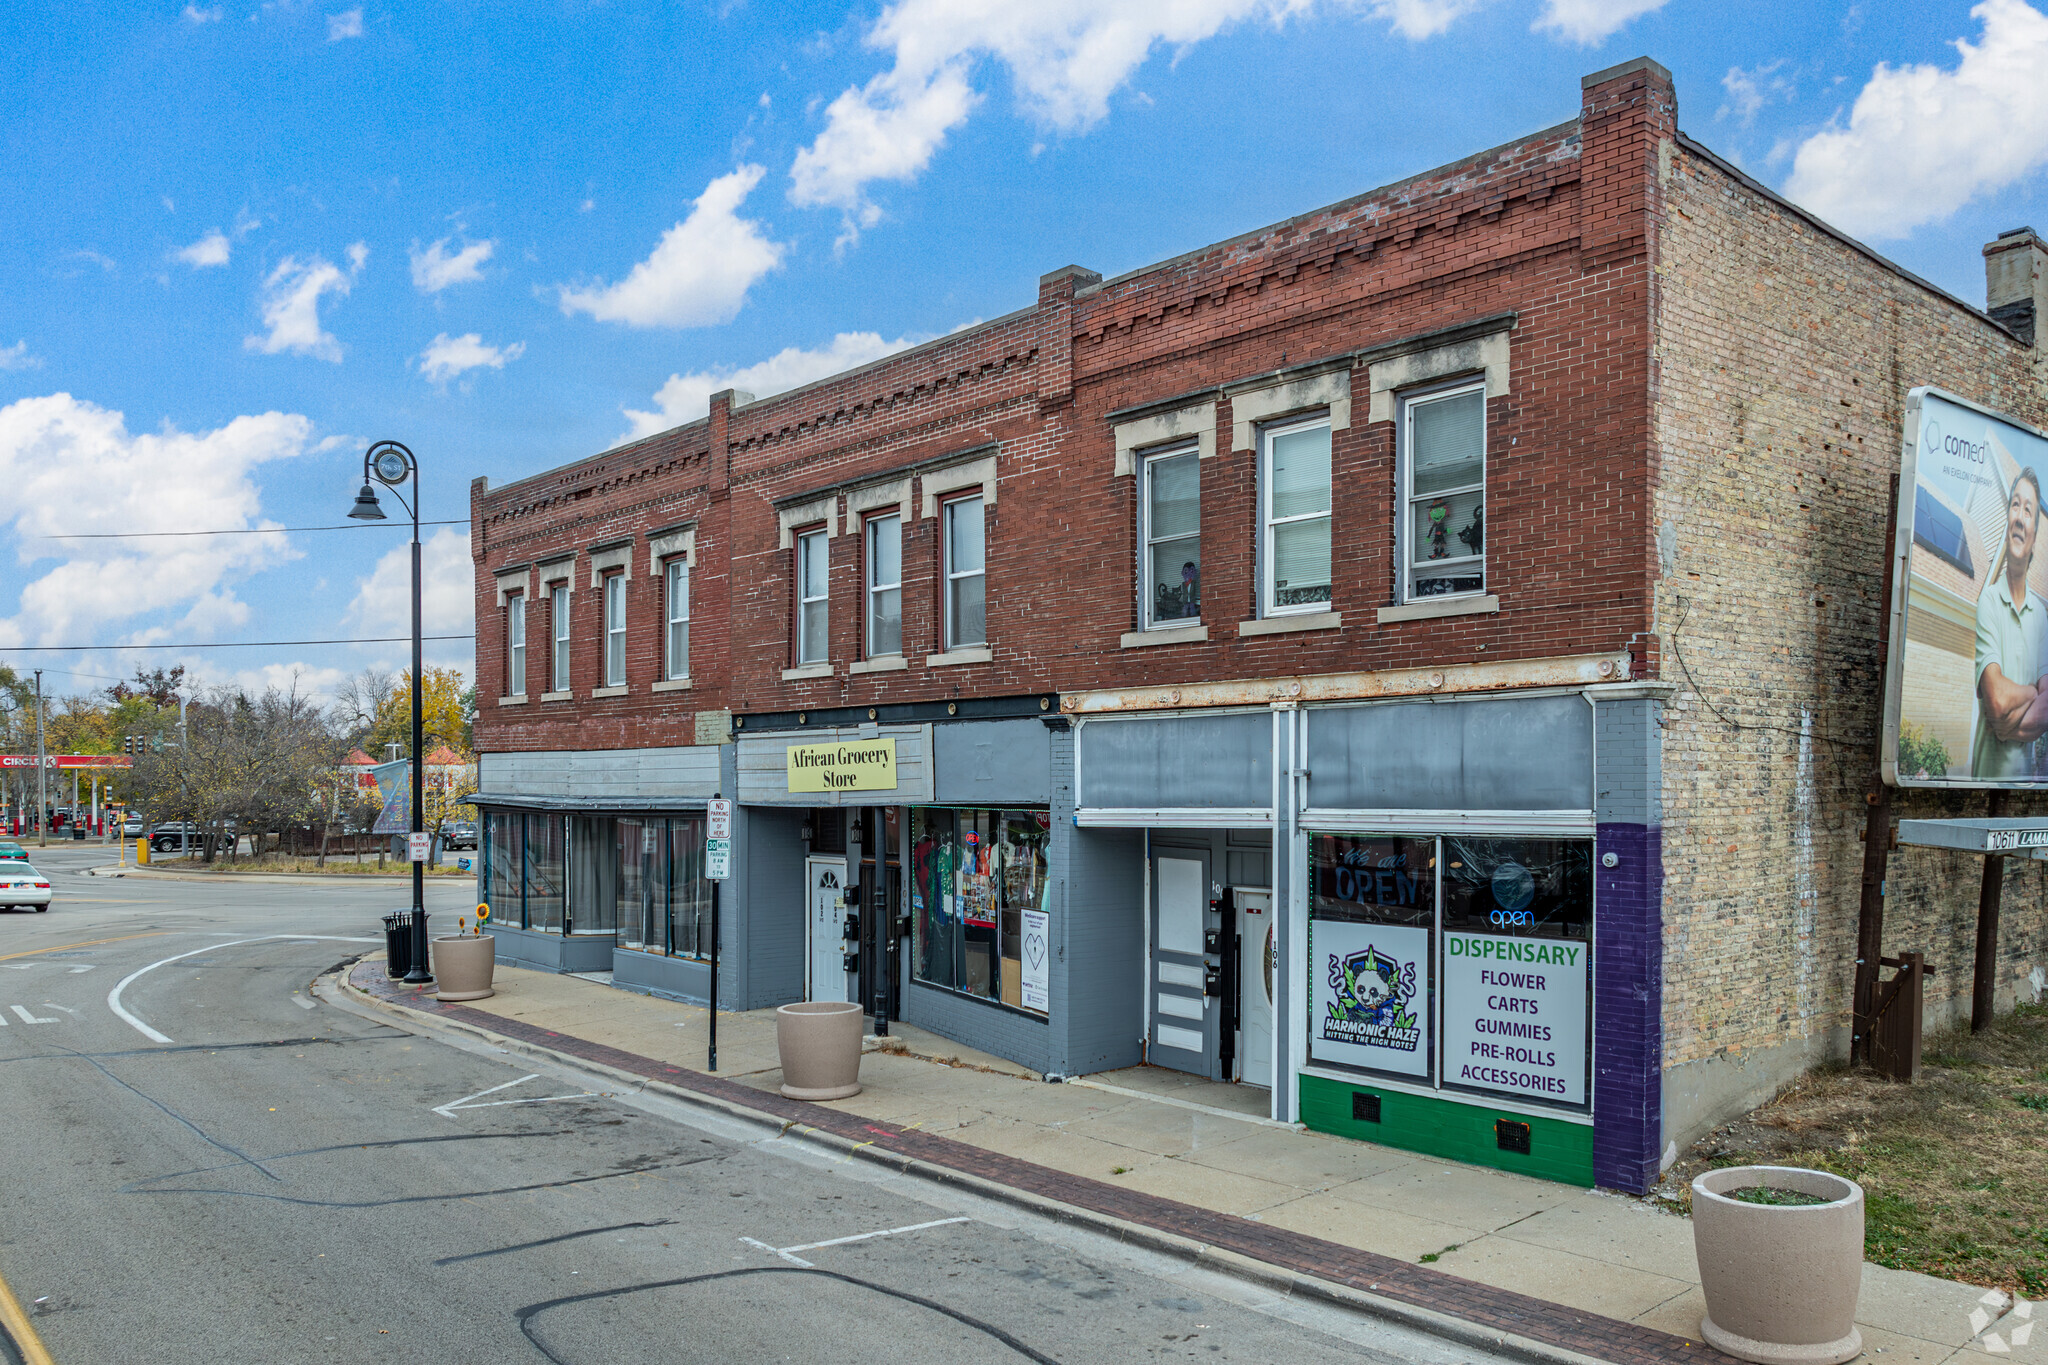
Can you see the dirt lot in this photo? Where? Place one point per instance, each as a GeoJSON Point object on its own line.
{"type": "Point", "coordinates": [1954, 1166]}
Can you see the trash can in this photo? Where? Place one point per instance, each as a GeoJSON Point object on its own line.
{"type": "Point", "coordinates": [78, 829]}
{"type": "Point", "coordinates": [398, 944]}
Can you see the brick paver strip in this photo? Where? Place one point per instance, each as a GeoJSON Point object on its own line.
{"type": "Point", "coordinates": [1481, 1304]}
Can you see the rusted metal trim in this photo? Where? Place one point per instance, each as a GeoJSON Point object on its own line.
{"type": "Point", "coordinates": [1579, 670]}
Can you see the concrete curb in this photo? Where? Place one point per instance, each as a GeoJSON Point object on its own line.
{"type": "Point", "coordinates": [281, 878]}
{"type": "Point", "coordinates": [335, 987]}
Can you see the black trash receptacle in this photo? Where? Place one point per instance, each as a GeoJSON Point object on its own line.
{"type": "Point", "coordinates": [398, 944]}
{"type": "Point", "coordinates": [78, 831]}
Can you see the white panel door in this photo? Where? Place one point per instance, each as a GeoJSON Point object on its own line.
{"type": "Point", "coordinates": [825, 879]}
{"type": "Point", "coordinates": [1180, 1007]}
{"type": "Point", "coordinates": [1255, 968]}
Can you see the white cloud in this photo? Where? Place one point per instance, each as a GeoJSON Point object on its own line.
{"type": "Point", "coordinates": [210, 250]}
{"type": "Point", "coordinates": [16, 357]}
{"type": "Point", "coordinates": [700, 271]}
{"type": "Point", "coordinates": [1065, 58]}
{"type": "Point", "coordinates": [383, 601]}
{"type": "Point", "coordinates": [70, 466]}
{"type": "Point", "coordinates": [1590, 22]}
{"type": "Point", "coordinates": [686, 397]}
{"type": "Point", "coordinates": [446, 356]}
{"type": "Point", "coordinates": [291, 305]}
{"type": "Point", "coordinates": [1921, 141]}
{"type": "Point", "coordinates": [196, 15]}
{"type": "Point", "coordinates": [347, 24]}
{"type": "Point", "coordinates": [1750, 91]}
{"type": "Point", "coordinates": [435, 269]}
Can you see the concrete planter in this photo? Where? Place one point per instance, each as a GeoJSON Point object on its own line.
{"type": "Point", "coordinates": [819, 1044]}
{"type": "Point", "coordinates": [1780, 1280]}
{"type": "Point", "coordinates": [463, 964]}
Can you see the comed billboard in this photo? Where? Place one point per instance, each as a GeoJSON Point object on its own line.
{"type": "Point", "coordinates": [1966, 695]}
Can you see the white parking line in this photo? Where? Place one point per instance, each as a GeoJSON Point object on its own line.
{"type": "Point", "coordinates": [114, 996]}
{"type": "Point", "coordinates": [786, 1252]}
{"type": "Point", "coordinates": [447, 1111]}
{"type": "Point", "coordinates": [28, 1018]}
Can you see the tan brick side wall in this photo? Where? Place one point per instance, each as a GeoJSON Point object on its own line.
{"type": "Point", "coordinates": [1784, 361]}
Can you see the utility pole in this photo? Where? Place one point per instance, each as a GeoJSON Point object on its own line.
{"type": "Point", "coordinates": [42, 772]}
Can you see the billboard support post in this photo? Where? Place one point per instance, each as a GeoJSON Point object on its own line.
{"type": "Point", "coordinates": [1984, 984]}
{"type": "Point", "coordinates": [1877, 830]}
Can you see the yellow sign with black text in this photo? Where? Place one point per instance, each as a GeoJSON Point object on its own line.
{"type": "Point", "coordinates": [860, 765]}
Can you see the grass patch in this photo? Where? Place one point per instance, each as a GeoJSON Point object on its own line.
{"type": "Point", "coordinates": [1429, 1256]}
{"type": "Point", "coordinates": [1954, 1167]}
{"type": "Point", "coordinates": [336, 867]}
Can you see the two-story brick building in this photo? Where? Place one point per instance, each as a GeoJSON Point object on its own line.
{"type": "Point", "coordinates": [1420, 658]}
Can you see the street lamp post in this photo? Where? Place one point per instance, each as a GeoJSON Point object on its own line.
{"type": "Point", "coordinates": [391, 464]}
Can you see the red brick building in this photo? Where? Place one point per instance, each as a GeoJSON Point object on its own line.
{"type": "Point", "coordinates": [1247, 664]}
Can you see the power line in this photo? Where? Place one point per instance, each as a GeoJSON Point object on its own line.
{"type": "Point", "coordinates": [226, 644]}
{"type": "Point", "coordinates": [240, 531]}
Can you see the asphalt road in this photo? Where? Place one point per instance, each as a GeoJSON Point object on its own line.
{"type": "Point", "coordinates": [287, 1180]}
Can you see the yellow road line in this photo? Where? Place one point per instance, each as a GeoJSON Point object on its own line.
{"type": "Point", "coordinates": [89, 943]}
{"type": "Point", "coordinates": [17, 1324]}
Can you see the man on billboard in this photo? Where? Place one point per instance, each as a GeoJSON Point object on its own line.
{"type": "Point", "coordinates": [2012, 625]}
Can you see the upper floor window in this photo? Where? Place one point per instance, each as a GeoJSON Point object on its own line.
{"type": "Point", "coordinates": [884, 586]}
{"type": "Point", "coordinates": [676, 597]}
{"type": "Point", "coordinates": [515, 644]}
{"type": "Point", "coordinates": [1294, 495]}
{"type": "Point", "coordinates": [1170, 529]}
{"type": "Point", "coordinates": [615, 630]}
{"type": "Point", "coordinates": [1443, 471]}
{"type": "Point", "coordinates": [558, 624]}
{"type": "Point", "coordinates": [813, 597]}
{"type": "Point", "coordinates": [966, 576]}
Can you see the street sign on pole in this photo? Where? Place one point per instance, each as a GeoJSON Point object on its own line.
{"type": "Point", "coordinates": [718, 818]}
{"type": "Point", "coordinates": [718, 859]}
{"type": "Point", "coordinates": [416, 846]}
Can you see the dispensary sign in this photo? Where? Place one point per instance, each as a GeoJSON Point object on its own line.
{"type": "Point", "coordinates": [854, 765]}
{"type": "Point", "coordinates": [1515, 1016]}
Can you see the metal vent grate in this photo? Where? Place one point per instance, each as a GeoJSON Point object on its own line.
{"type": "Point", "coordinates": [1510, 1136]}
{"type": "Point", "coordinates": [1365, 1108]}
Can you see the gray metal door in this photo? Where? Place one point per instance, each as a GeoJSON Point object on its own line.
{"type": "Point", "coordinates": [1183, 1015]}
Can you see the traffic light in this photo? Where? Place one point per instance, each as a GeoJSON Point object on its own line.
{"type": "Point", "coordinates": [128, 744]}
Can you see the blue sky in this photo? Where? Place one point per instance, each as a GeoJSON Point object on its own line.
{"type": "Point", "coordinates": [244, 239]}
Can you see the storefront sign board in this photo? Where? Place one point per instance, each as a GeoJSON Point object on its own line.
{"type": "Point", "coordinates": [1370, 996]}
{"type": "Point", "coordinates": [1037, 960]}
{"type": "Point", "coordinates": [850, 765]}
{"type": "Point", "coordinates": [1515, 1015]}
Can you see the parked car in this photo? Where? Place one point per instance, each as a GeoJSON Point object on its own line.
{"type": "Point", "coordinates": [21, 884]}
{"type": "Point", "coordinates": [172, 834]}
{"type": "Point", "coordinates": [459, 834]}
{"type": "Point", "coordinates": [132, 825]}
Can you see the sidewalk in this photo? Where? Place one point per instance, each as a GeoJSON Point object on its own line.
{"type": "Point", "coordinates": [1583, 1271]}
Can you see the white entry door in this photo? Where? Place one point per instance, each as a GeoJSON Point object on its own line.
{"type": "Point", "coordinates": [1256, 950]}
{"type": "Point", "coordinates": [825, 880]}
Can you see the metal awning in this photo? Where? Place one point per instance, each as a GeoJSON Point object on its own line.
{"type": "Point", "coordinates": [588, 805]}
{"type": "Point", "coordinates": [2028, 837]}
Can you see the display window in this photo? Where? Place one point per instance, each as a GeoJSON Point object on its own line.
{"type": "Point", "coordinates": [1460, 962]}
{"type": "Point", "coordinates": [980, 904]}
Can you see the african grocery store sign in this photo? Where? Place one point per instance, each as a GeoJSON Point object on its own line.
{"type": "Point", "coordinates": [1514, 1016]}
{"type": "Point", "coordinates": [853, 765]}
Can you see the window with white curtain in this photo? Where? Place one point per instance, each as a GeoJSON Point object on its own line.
{"type": "Point", "coordinates": [966, 574]}
{"type": "Point", "coordinates": [615, 630]}
{"type": "Point", "coordinates": [814, 592]}
{"type": "Point", "coordinates": [1443, 472]}
{"type": "Point", "coordinates": [558, 623]}
{"type": "Point", "coordinates": [676, 599]}
{"type": "Point", "coordinates": [1171, 531]}
{"type": "Point", "coordinates": [885, 586]}
{"type": "Point", "coordinates": [1294, 495]}
{"type": "Point", "coordinates": [515, 644]}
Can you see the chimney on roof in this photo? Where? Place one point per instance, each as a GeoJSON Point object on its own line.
{"type": "Point", "coordinates": [2016, 281]}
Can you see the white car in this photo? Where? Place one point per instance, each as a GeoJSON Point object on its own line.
{"type": "Point", "coordinates": [22, 885]}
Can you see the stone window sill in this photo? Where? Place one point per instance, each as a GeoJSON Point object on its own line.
{"type": "Point", "coordinates": [887, 663]}
{"type": "Point", "coordinates": [970, 654]}
{"type": "Point", "coordinates": [1287, 625]}
{"type": "Point", "coordinates": [672, 685]}
{"type": "Point", "coordinates": [558, 696]}
{"type": "Point", "coordinates": [803, 671]}
{"type": "Point", "coordinates": [1435, 608]}
{"type": "Point", "coordinates": [516, 699]}
{"type": "Point", "coordinates": [621, 690]}
{"type": "Point", "coordinates": [1171, 635]}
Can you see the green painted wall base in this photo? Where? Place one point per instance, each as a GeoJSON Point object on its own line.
{"type": "Point", "coordinates": [1457, 1130]}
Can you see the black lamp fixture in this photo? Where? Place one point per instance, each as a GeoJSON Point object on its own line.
{"type": "Point", "coordinates": [392, 465]}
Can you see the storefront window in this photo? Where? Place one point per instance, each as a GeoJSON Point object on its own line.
{"type": "Point", "coordinates": [544, 866]}
{"type": "Point", "coordinates": [980, 905]}
{"type": "Point", "coordinates": [593, 876]}
{"type": "Point", "coordinates": [639, 880]}
{"type": "Point", "coordinates": [1458, 961]}
{"type": "Point", "coordinates": [689, 891]}
{"type": "Point", "coordinates": [1372, 915]}
{"type": "Point", "coordinates": [501, 868]}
